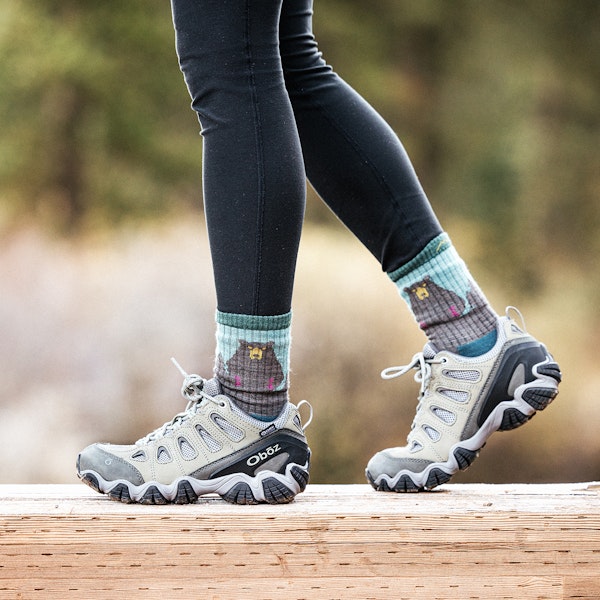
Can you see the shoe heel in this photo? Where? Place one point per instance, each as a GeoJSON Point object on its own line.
{"type": "Point", "coordinates": [545, 388]}
{"type": "Point", "coordinates": [279, 492]}
{"type": "Point", "coordinates": [539, 398]}
{"type": "Point", "coordinates": [550, 369]}
{"type": "Point", "coordinates": [274, 490]}
{"type": "Point", "coordinates": [539, 394]}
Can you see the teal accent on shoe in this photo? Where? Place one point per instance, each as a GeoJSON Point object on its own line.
{"type": "Point", "coordinates": [478, 347]}
{"type": "Point", "coordinates": [254, 322]}
{"type": "Point", "coordinates": [264, 418]}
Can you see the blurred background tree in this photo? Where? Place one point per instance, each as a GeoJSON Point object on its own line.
{"type": "Point", "coordinates": [497, 102]}
{"type": "Point", "coordinates": [93, 112]}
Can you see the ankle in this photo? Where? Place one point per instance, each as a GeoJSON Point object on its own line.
{"type": "Point", "coordinates": [252, 361]}
{"type": "Point", "coordinates": [445, 299]}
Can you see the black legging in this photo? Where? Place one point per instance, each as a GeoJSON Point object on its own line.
{"type": "Point", "coordinates": [273, 113]}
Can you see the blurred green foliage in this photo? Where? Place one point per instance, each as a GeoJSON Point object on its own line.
{"type": "Point", "coordinates": [497, 102]}
{"type": "Point", "coordinates": [92, 107]}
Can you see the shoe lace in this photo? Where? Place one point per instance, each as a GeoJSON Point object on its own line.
{"type": "Point", "coordinates": [192, 390]}
{"type": "Point", "coordinates": [422, 365]}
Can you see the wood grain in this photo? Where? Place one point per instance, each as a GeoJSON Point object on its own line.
{"type": "Point", "coordinates": [346, 541]}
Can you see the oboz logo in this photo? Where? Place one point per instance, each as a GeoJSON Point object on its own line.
{"type": "Point", "coordinates": [263, 455]}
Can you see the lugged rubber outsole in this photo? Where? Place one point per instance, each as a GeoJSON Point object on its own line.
{"type": "Point", "coordinates": [266, 487]}
{"type": "Point", "coordinates": [535, 396]}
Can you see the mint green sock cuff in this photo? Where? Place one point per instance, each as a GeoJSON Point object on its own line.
{"type": "Point", "coordinates": [435, 247]}
{"type": "Point", "coordinates": [254, 322]}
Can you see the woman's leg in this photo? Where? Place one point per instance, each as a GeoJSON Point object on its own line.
{"type": "Point", "coordinates": [359, 167]}
{"type": "Point", "coordinates": [479, 373]}
{"type": "Point", "coordinates": [254, 197]}
{"type": "Point", "coordinates": [253, 173]}
{"type": "Point", "coordinates": [254, 187]}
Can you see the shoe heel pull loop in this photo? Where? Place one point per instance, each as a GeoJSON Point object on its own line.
{"type": "Point", "coordinates": [310, 414]}
{"type": "Point", "coordinates": [514, 309]}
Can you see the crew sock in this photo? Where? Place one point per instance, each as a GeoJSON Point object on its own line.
{"type": "Point", "coordinates": [446, 301]}
{"type": "Point", "coordinates": [252, 361]}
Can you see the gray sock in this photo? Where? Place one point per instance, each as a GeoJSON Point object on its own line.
{"type": "Point", "coordinates": [252, 361]}
{"type": "Point", "coordinates": [446, 301]}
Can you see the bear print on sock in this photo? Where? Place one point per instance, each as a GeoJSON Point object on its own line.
{"type": "Point", "coordinates": [428, 300]}
{"type": "Point", "coordinates": [255, 366]}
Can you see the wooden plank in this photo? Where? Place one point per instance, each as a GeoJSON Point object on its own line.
{"type": "Point", "coordinates": [463, 541]}
{"type": "Point", "coordinates": [365, 588]}
{"type": "Point", "coordinates": [298, 560]}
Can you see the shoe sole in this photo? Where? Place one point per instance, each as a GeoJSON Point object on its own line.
{"type": "Point", "coordinates": [237, 488]}
{"type": "Point", "coordinates": [528, 399]}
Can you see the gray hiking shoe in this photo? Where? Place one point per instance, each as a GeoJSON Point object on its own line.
{"type": "Point", "coordinates": [211, 447]}
{"type": "Point", "coordinates": [463, 401]}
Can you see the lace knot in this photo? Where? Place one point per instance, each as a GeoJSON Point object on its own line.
{"type": "Point", "coordinates": [193, 391]}
{"type": "Point", "coordinates": [192, 386]}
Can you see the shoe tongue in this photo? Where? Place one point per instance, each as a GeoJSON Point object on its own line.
{"type": "Point", "coordinates": [212, 387]}
{"type": "Point", "coordinates": [429, 351]}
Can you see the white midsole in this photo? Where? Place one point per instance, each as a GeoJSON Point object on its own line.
{"type": "Point", "coordinates": [219, 485]}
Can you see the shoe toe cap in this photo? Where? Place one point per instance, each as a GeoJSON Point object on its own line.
{"type": "Point", "coordinates": [99, 460]}
{"type": "Point", "coordinates": [393, 460]}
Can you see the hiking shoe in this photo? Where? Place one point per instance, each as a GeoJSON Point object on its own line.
{"type": "Point", "coordinates": [213, 446]}
{"type": "Point", "coordinates": [462, 401]}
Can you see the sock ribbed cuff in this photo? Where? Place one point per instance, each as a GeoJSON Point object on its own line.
{"type": "Point", "coordinates": [254, 322]}
{"type": "Point", "coordinates": [436, 246]}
